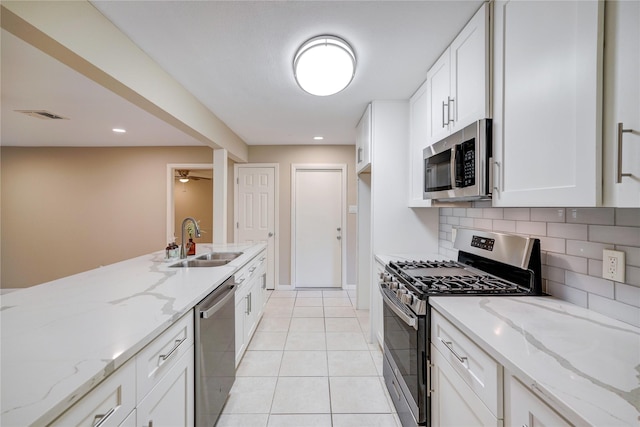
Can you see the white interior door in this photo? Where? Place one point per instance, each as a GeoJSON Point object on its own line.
{"type": "Point", "coordinates": [256, 216]}
{"type": "Point", "coordinates": [318, 225]}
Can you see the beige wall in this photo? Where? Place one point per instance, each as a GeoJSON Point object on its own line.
{"type": "Point", "coordinates": [67, 210]}
{"type": "Point", "coordinates": [194, 199]}
{"type": "Point", "coordinates": [285, 156]}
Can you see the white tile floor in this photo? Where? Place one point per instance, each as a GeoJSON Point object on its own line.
{"type": "Point", "coordinates": [309, 364]}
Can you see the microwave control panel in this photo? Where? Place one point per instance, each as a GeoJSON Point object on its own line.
{"type": "Point", "coordinates": [466, 164]}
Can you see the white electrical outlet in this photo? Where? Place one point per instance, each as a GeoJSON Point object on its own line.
{"type": "Point", "coordinates": [613, 265]}
{"type": "Point", "coordinates": [454, 233]}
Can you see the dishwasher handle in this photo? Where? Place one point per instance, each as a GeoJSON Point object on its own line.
{"type": "Point", "coordinates": [217, 300]}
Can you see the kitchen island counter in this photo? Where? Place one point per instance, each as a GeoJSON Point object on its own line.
{"type": "Point", "coordinates": [583, 364]}
{"type": "Point", "coordinates": [61, 338]}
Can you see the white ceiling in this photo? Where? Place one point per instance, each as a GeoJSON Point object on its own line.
{"type": "Point", "coordinates": [236, 57]}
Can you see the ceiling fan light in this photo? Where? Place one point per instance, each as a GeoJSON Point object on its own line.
{"type": "Point", "coordinates": [324, 65]}
{"type": "Point", "coordinates": [184, 179]}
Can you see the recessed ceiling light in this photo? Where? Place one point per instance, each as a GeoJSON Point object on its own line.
{"type": "Point", "coordinates": [318, 138]}
{"type": "Point", "coordinates": [118, 130]}
{"type": "Point", "coordinates": [324, 65]}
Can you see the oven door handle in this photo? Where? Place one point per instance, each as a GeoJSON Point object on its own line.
{"type": "Point", "coordinates": [406, 318]}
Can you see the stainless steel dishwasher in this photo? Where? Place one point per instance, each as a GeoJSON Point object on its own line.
{"type": "Point", "coordinates": [215, 352]}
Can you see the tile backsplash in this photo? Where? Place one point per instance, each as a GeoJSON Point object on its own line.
{"type": "Point", "coordinates": [572, 240]}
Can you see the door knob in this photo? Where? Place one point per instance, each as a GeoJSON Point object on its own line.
{"type": "Point", "coordinates": [339, 237]}
{"type": "Point", "coordinates": [270, 234]}
{"type": "Point", "coordinates": [339, 228]}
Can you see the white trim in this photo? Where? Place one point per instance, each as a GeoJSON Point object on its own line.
{"type": "Point", "coordinates": [276, 203]}
{"type": "Point", "coordinates": [170, 188]}
{"type": "Point", "coordinates": [342, 167]}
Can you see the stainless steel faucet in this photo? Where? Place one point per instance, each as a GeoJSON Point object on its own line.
{"type": "Point", "coordinates": [183, 253]}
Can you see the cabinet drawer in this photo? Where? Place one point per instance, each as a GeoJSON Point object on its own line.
{"type": "Point", "coordinates": [108, 404]}
{"type": "Point", "coordinates": [481, 372]}
{"type": "Point", "coordinates": [248, 272]}
{"type": "Point", "coordinates": [523, 407]}
{"type": "Point", "coordinates": [161, 354]}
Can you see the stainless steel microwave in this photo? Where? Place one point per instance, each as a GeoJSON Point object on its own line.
{"type": "Point", "coordinates": [459, 167]}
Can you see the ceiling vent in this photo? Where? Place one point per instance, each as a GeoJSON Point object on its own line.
{"type": "Point", "coordinates": [42, 114]}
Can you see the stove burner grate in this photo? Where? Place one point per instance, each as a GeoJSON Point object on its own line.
{"type": "Point", "coordinates": [483, 284]}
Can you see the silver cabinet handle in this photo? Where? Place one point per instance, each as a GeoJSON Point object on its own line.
{"type": "Point", "coordinates": [100, 419]}
{"type": "Point", "coordinates": [449, 345]}
{"type": "Point", "coordinates": [359, 155]}
{"type": "Point", "coordinates": [621, 130]}
{"type": "Point", "coordinates": [175, 347]}
{"type": "Point", "coordinates": [248, 304]}
{"type": "Point", "coordinates": [444, 124]}
{"type": "Point", "coordinates": [252, 269]}
{"type": "Point", "coordinates": [496, 176]}
{"type": "Point", "coordinates": [450, 101]}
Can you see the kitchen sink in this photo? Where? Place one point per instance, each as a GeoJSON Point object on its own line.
{"type": "Point", "coordinates": [201, 263]}
{"type": "Point", "coordinates": [219, 256]}
{"type": "Point", "coordinates": [213, 259]}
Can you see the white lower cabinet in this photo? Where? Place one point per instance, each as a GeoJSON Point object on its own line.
{"type": "Point", "coordinates": [523, 408]}
{"type": "Point", "coordinates": [453, 402]}
{"type": "Point", "coordinates": [108, 404]}
{"type": "Point", "coordinates": [155, 388]}
{"type": "Point", "coordinates": [249, 299]}
{"type": "Point", "coordinates": [171, 402]}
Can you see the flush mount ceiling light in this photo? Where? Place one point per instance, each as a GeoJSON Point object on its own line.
{"type": "Point", "coordinates": [324, 65]}
{"type": "Point", "coordinates": [119, 130]}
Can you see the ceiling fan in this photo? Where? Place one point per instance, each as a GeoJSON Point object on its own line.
{"type": "Point", "coordinates": [183, 176]}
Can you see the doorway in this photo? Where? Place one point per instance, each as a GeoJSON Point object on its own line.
{"type": "Point", "coordinates": [318, 218]}
{"type": "Point", "coordinates": [256, 211]}
{"type": "Point", "coordinates": [191, 198]}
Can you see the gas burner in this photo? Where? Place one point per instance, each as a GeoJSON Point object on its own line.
{"type": "Point", "coordinates": [409, 265]}
{"type": "Point", "coordinates": [465, 285]}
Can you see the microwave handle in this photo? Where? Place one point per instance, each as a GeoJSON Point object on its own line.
{"type": "Point", "coordinates": [452, 169]}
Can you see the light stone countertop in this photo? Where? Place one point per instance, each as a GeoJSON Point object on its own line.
{"type": "Point", "coordinates": [61, 338]}
{"type": "Point", "coordinates": [582, 363]}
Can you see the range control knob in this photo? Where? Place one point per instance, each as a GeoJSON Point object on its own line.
{"type": "Point", "coordinates": [406, 298]}
{"type": "Point", "coordinates": [393, 285]}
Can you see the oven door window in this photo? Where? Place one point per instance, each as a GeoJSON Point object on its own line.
{"type": "Point", "coordinates": [402, 342]}
{"type": "Point", "coordinates": [437, 172]}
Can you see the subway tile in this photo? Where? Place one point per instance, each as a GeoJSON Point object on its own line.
{"type": "Point", "coordinates": [466, 222]}
{"type": "Point", "coordinates": [459, 211]}
{"type": "Point", "coordinates": [632, 275]}
{"type": "Point", "coordinates": [595, 267]}
{"type": "Point", "coordinates": [442, 235]}
{"type": "Point", "coordinates": [567, 293]}
{"type": "Point", "coordinates": [548, 214]}
{"type": "Point", "coordinates": [554, 274]}
{"type": "Point", "coordinates": [453, 220]}
{"type": "Point", "coordinates": [552, 244]}
{"type": "Point", "coordinates": [504, 225]}
{"type": "Point", "coordinates": [443, 219]}
{"type": "Point", "coordinates": [445, 227]}
{"type": "Point", "coordinates": [482, 204]}
{"type": "Point", "coordinates": [474, 213]}
{"type": "Point", "coordinates": [629, 217]}
{"type": "Point", "coordinates": [568, 231]}
{"type": "Point", "coordinates": [632, 255]}
{"type": "Point", "coordinates": [446, 211]}
{"type": "Point", "coordinates": [600, 216]}
{"type": "Point", "coordinates": [535, 228]}
{"type": "Point", "coordinates": [590, 284]}
{"type": "Point", "coordinates": [586, 249]}
{"type": "Point", "coordinates": [493, 213]}
{"type": "Point", "coordinates": [629, 236]}
{"type": "Point", "coordinates": [567, 262]}
{"type": "Point", "coordinates": [447, 244]}
{"type": "Point", "coordinates": [615, 309]}
{"type": "Point", "coordinates": [484, 224]}
{"type": "Point", "coordinates": [628, 294]}
{"type": "Point", "coordinates": [517, 214]}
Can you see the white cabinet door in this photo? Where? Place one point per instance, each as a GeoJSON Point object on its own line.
{"type": "Point", "coordinates": [363, 142]}
{"type": "Point", "coordinates": [547, 95]}
{"type": "Point", "coordinates": [622, 103]}
{"type": "Point", "coordinates": [171, 402]}
{"type": "Point", "coordinates": [523, 408]}
{"type": "Point", "coordinates": [453, 403]}
{"type": "Point", "coordinates": [470, 83]}
{"type": "Point", "coordinates": [418, 136]}
{"type": "Point", "coordinates": [438, 95]}
{"type": "Point", "coordinates": [377, 315]}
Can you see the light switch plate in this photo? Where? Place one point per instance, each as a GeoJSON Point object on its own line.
{"type": "Point", "coordinates": [613, 265]}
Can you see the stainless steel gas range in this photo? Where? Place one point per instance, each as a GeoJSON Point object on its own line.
{"type": "Point", "coordinates": [492, 264]}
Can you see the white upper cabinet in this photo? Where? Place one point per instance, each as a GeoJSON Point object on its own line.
{"type": "Point", "coordinates": [418, 130]}
{"type": "Point", "coordinates": [363, 142]}
{"type": "Point", "coordinates": [547, 103]}
{"type": "Point", "coordinates": [458, 84]}
{"type": "Point", "coordinates": [622, 104]}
